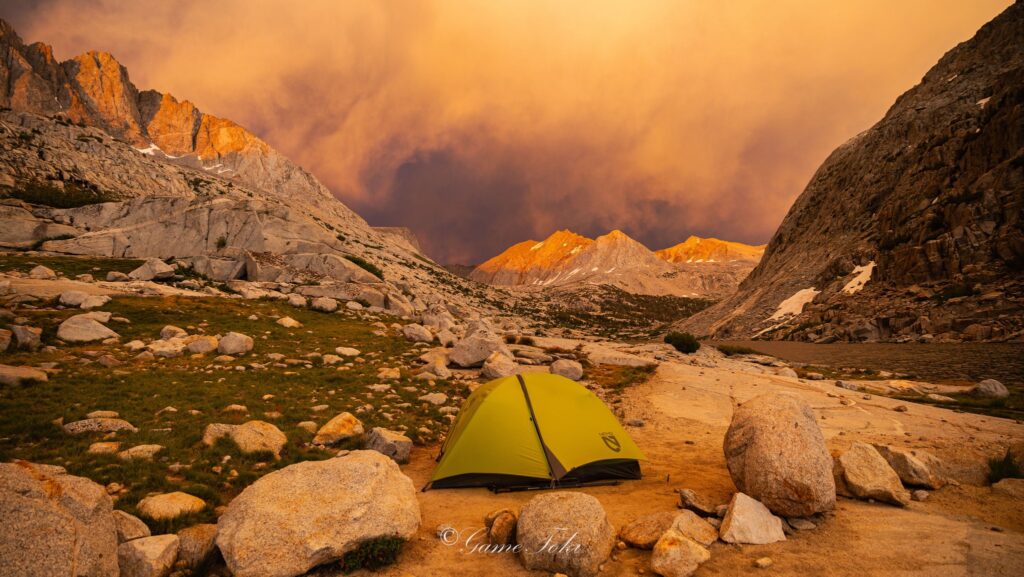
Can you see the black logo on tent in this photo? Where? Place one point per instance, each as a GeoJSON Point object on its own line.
{"type": "Point", "coordinates": [612, 443]}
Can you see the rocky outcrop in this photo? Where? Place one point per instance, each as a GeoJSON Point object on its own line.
{"type": "Point", "coordinates": [866, 474]}
{"type": "Point", "coordinates": [776, 454]}
{"type": "Point", "coordinates": [54, 523]}
{"type": "Point", "coordinates": [911, 230]}
{"type": "Point", "coordinates": [314, 512]}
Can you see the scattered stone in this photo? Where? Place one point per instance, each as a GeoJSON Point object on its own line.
{"type": "Point", "coordinates": [341, 427]}
{"type": "Point", "coordinates": [72, 298]}
{"type": "Point", "coordinates": [152, 269]}
{"type": "Point", "coordinates": [202, 344]}
{"type": "Point", "coordinates": [42, 272]}
{"type": "Point", "coordinates": [27, 338]}
{"type": "Point", "coordinates": [148, 556]}
{"type": "Point", "coordinates": [308, 426]}
{"type": "Point", "coordinates": [776, 454]}
{"type": "Point", "coordinates": [102, 415]}
{"type": "Point", "coordinates": [389, 443]}
{"type": "Point", "coordinates": [354, 306]}
{"type": "Point", "coordinates": [763, 562]}
{"type": "Point", "coordinates": [347, 351]}
{"type": "Point", "coordinates": [688, 499]}
{"type": "Point", "coordinates": [990, 389]}
{"type": "Point", "coordinates": [434, 398]}
{"type": "Point", "coordinates": [867, 475]}
{"type": "Point", "coordinates": [251, 436]}
{"type": "Point", "coordinates": [17, 376]}
{"type": "Point", "coordinates": [913, 467]}
{"type": "Point", "coordinates": [475, 348]}
{"type": "Point", "coordinates": [417, 333]}
{"type": "Point", "coordinates": [501, 527]}
{"type": "Point", "coordinates": [749, 521]}
{"type": "Point", "coordinates": [325, 304]}
{"type": "Point", "coordinates": [166, 506]}
{"type": "Point", "coordinates": [96, 301]}
{"type": "Point", "coordinates": [116, 276]}
{"type": "Point", "coordinates": [389, 374]}
{"type": "Point", "coordinates": [104, 448]}
{"type": "Point", "coordinates": [141, 452]}
{"type": "Point", "coordinates": [312, 513]}
{"type": "Point", "coordinates": [919, 495]}
{"type": "Point", "coordinates": [172, 332]}
{"type": "Point", "coordinates": [85, 328]}
{"type": "Point", "coordinates": [694, 527]}
{"type": "Point", "coordinates": [298, 301]}
{"type": "Point", "coordinates": [129, 527]}
{"type": "Point", "coordinates": [43, 534]}
{"type": "Point", "coordinates": [234, 344]}
{"type": "Point", "coordinates": [168, 349]}
{"type": "Point", "coordinates": [676, 555]}
{"type": "Point", "coordinates": [547, 523]}
{"type": "Point", "coordinates": [289, 323]}
{"type": "Point", "coordinates": [567, 368]}
{"type": "Point", "coordinates": [644, 532]}
{"type": "Point", "coordinates": [498, 365]}
{"type": "Point", "coordinates": [801, 524]}
{"type": "Point", "coordinates": [101, 425]}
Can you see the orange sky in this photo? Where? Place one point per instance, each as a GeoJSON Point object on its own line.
{"type": "Point", "coordinates": [480, 124]}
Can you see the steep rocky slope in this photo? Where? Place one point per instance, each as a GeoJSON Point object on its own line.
{"type": "Point", "coordinates": [89, 165]}
{"type": "Point", "coordinates": [697, 267]}
{"type": "Point", "coordinates": [911, 230]}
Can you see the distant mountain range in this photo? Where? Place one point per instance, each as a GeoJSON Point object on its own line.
{"type": "Point", "coordinates": [697, 267]}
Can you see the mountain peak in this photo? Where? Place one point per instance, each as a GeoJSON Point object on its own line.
{"type": "Point", "coordinates": [709, 250]}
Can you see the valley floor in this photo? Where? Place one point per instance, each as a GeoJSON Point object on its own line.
{"type": "Point", "coordinates": [961, 529]}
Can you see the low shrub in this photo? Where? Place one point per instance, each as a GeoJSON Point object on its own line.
{"type": "Point", "coordinates": [372, 554]}
{"type": "Point", "coordinates": [367, 266]}
{"type": "Point", "coordinates": [1003, 468]}
{"type": "Point", "coordinates": [730, 350]}
{"type": "Point", "coordinates": [683, 342]}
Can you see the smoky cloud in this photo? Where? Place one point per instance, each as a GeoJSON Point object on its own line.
{"type": "Point", "coordinates": [480, 124]}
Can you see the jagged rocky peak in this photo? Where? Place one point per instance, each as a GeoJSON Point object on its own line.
{"type": "Point", "coordinates": [615, 259]}
{"type": "Point", "coordinates": [922, 213]}
{"type": "Point", "coordinates": [700, 250]}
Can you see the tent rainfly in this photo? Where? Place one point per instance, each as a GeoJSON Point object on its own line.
{"type": "Point", "coordinates": [533, 431]}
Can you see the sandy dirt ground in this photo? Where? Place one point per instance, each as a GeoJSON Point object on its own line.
{"type": "Point", "coordinates": [961, 529]}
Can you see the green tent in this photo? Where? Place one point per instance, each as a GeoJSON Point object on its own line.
{"type": "Point", "coordinates": [534, 430]}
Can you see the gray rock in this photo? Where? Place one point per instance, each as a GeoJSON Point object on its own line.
{"type": "Point", "coordinates": [389, 443]}
{"type": "Point", "coordinates": [417, 333]}
{"type": "Point", "coordinates": [129, 527]}
{"type": "Point", "coordinates": [567, 368]}
{"type": "Point", "coordinates": [476, 348]}
{"type": "Point", "coordinates": [148, 556]}
{"type": "Point", "coordinates": [234, 344]}
{"type": "Point", "coordinates": [776, 454]}
{"type": "Point", "coordinates": [172, 332]}
{"type": "Point", "coordinates": [116, 276]}
{"type": "Point", "coordinates": [99, 425]}
{"type": "Point", "coordinates": [688, 499]}
{"type": "Point", "coordinates": [867, 475]}
{"type": "Point", "coordinates": [84, 328]}
{"type": "Point", "coordinates": [914, 467]}
{"type": "Point", "coordinates": [251, 436]}
{"type": "Point", "coordinates": [72, 298]}
{"type": "Point", "coordinates": [27, 338]}
{"type": "Point", "coordinates": [313, 512]}
{"type": "Point", "coordinates": [565, 532]}
{"type": "Point", "coordinates": [498, 365]}
{"type": "Point", "coordinates": [749, 521]}
{"type": "Point", "coordinates": [54, 524]}
{"type": "Point", "coordinates": [324, 304]}
{"type": "Point", "coordinates": [990, 389]}
{"type": "Point", "coordinates": [694, 527]}
{"type": "Point", "coordinates": [152, 269]}
{"type": "Point", "coordinates": [42, 272]}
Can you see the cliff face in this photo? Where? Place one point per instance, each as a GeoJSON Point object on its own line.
{"type": "Point", "coordinates": [922, 213]}
{"type": "Point", "coordinates": [94, 89]}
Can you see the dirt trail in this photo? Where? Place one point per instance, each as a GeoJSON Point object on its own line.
{"type": "Point", "coordinates": [959, 530]}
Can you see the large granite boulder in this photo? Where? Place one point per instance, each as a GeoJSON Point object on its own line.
{"type": "Point", "coordinates": [477, 347]}
{"type": "Point", "coordinates": [776, 454]}
{"type": "Point", "coordinates": [148, 557]}
{"type": "Point", "coordinates": [54, 524]}
{"type": "Point", "coordinates": [565, 532]}
{"type": "Point", "coordinates": [85, 328]}
{"type": "Point", "coordinates": [314, 512]}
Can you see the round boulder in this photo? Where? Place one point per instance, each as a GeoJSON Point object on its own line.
{"type": "Point", "coordinates": [313, 512]}
{"type": "Point", "coordinates": [567, 368]}
{"type": "Point", "coordinates": [990, 389]}
{"type": "Point", "coordinates": [565, 532]}
{"type": "Point", "coordinates": [234, 344]}
{"type": "Point", "coordinates": [776, 454]}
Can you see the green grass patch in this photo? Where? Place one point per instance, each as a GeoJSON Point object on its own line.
{"type": "Point", "coordinates": [69, 266]}
{"type": "Point", "coordinates": [730, 350]}
{"type": "Point", "coordinates": [366, 265]}
{"type": "Point", "coordinates": [200, 388]}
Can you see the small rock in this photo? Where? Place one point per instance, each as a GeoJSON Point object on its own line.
{"type": "Point", "coordinates": [990, 389]}
{"type": "Point", "coordinates": [389, 443]}
{"type": "Point", "coordinates": [749, 521]}
{"type": "Point", "coordinates": [567, 368]}
{"type": "Point", "coordinates": [148, 556]}
{"type": "Point", "coordinates": [289, 323]}
{"type": "Point", "coordinates": [763, 563]}
{"type": "Point", "coordinates": [167, 506]}
{"type": "Point", "coordinates": [341, 427]}
{"type": "Point", "coordinates": [676, 555]}
{"type": "Point", "coordinates": [234, 344]}
{"type": "Point", "coordinates": [324, 304]}
{"type": "Point", "coordinates": [129, 527]}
